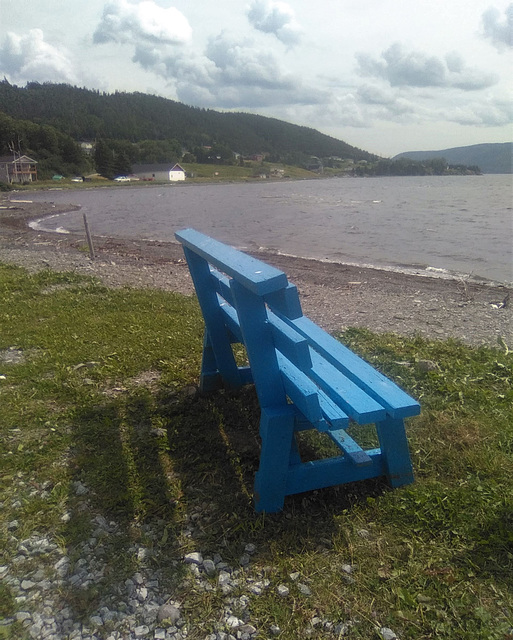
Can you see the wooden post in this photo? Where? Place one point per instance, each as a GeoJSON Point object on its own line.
{"type": "Point", "coordinates": [89, 239]}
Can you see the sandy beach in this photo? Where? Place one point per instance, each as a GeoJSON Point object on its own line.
{"type": "Point", "coordinates": [336, 296]}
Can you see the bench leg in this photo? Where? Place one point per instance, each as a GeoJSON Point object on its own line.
{"type": "Point", "coordinates": [394, 449]}
{"type": "Point", "coordinates": [278, 446]}
{"type": "Point", "coordinates": [210, 378]}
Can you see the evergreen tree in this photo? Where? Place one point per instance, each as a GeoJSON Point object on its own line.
{"type": "Point", "coordinates": [104, 159]}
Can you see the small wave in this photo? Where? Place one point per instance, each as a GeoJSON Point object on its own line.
{"type": "Point", "coordinates": [422, 271]}
{"type": "Point", "coordinates": [436, 270]}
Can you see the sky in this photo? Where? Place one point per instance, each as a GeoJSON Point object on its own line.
{"type": "Point", "coordinates": [386, 76]}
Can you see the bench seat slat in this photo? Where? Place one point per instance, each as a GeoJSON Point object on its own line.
{"type": "Point", "coordinates": [290, 343]}
{"type": "Point", "coordinates": [358, 404]}
{"type": "Point", "coordinates": [258, 277]}
{"type": "Point", "coordinates": [302, 391]}
{"type": "Point", "coordinates": [337, 418]}
{"type": "Point", "coordinates": [398, 403]}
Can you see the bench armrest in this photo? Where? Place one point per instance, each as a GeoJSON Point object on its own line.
{"type": "Point", "coordinates": [258, 277]}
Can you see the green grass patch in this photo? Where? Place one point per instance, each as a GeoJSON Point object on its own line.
{"type": "Point", "coordinates": [96, 389]}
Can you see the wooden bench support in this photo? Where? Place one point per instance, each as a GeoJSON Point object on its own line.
{"type": "Point", "coordinates": [304, 378]}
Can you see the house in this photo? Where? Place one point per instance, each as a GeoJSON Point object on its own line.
{"type": "Point", "coordinates": [17, 169]}
{"type": "Point", "coordinates": [159, 172]}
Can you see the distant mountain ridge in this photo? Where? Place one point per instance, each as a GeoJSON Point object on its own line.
{"type": "Point", "coordinates": [491, 158]}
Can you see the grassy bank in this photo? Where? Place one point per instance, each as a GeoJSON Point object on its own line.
{"type": "Point", "coordinates": [97, 391]}
{"type": "Point", "coordinates": [196, 173]}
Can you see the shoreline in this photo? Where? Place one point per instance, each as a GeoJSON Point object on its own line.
{"type": "Point", "coordinates": [335, 295]}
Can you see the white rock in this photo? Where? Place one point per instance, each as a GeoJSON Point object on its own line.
{"type": "Point", "coordinates": [138, 578]}
{"type": "Point", "coordinates": [387, 634]}
{"type": "Point", "coordinates": [223, 578]}
{"type": "Point", "coordinates": [22, 615]}
{"type": "Point", "coordinates": [233, 622]}
{"type": "Point", "coordinates": [247, 628]}
{"type": "Point", "coordinates": [193, 558]}
{"type": "Point", "coordinates": [304, 589]}
{"type": "Point", "coordinates": [168, 612]}
{"type": "Point", "coordinates": [282, 590]}
{"type": "Point", "coordinates": [141, 631]}
{"type": "Point", "coordinates": [27, 584]}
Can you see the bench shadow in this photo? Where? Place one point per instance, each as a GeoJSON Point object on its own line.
{"type": "Point", "coordinates": [215, 447]}
{"type": "Point", "coordinates": [181, 465]}
{"type": "Point", "coordinates": [120, 493]}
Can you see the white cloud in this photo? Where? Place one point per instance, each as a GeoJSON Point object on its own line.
{"type": "Point", "coordinates": [488, 113]}
{"type": "Point", "coordinates": [146, 22]}
{"type": "Point", "coordinates": [29, 58]}
{"type": "Point", "coordinates": [499, 31]}
{"type": "Point", "coordinates": [402, 68]}
{"type": "Point", "coordinates": [277, 18]}
{"type": "Point", "coordinates": [229, 74]}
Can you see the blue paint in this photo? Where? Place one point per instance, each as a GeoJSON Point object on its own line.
{"type": "Point", "coordinates": [304, 378]}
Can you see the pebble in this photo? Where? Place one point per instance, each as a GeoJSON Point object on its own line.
{"type": "Point", "coordinates": [168, 612]}
{"type": "Point", "coordinates": [209, 567]}
{"type": "Point", "coordinates": [193, 558]}
{"type": "Point", "coordinates": [387, 634]}
{"type": "Point", "coordinates": [137, 607]}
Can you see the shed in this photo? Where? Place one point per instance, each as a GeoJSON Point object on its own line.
{"type": "Point", "coordinates": [165, 172]}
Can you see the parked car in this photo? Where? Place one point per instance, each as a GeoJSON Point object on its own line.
{"type": "Point", "coordinates": [122, 179]}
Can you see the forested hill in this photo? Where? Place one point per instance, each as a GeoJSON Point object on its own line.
{"type": "Point", "coordinates": [491, 158]}
{"type": "Point", "coordinates": [87, 115]}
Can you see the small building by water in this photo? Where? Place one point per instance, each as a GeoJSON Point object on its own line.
{"type": "Point", "coordinates": [162, 172]}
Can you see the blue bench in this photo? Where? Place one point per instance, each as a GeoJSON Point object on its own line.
{"type": "Point", "coordinates": [304, 378]}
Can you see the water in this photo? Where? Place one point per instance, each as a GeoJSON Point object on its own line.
{"type": "Point", "coordinates": [455, 225]}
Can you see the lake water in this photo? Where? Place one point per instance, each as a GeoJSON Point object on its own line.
{"type": "Point", "coordinates": [456, 225]}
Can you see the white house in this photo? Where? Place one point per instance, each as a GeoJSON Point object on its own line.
{"type": "Point", "coordinates": [159, 172]}
{"type": "Point", "coordinates": [177, 173]}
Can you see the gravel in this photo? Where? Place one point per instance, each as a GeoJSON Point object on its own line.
{"type": "Point", "coordinates": [42, 575]}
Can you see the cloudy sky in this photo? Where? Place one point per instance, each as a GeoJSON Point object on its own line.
{"type": "Point", "coordinates": [384, 75]}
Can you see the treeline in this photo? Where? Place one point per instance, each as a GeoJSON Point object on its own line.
{"type": "Point", "coordinates": [56, 152]}
{"type": "Point", "coordinates": [408, 167]}
{"type": "Point", "coordinates": [87, 115]}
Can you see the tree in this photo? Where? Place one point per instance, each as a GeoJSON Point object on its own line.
{"type": "Point", "coordinates": [104, 159]}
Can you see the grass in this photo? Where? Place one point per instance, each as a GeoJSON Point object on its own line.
{"type": "Point", "coordinates": [97, 389]}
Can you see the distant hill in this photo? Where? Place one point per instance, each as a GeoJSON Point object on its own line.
{"type": "Point", "coordinates": [87, 115]}
{"type": "Point", "coordinates": [491, 158]}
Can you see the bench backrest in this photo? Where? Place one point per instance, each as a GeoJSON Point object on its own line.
{"type": "Point", "coordinates": [289, 355]}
